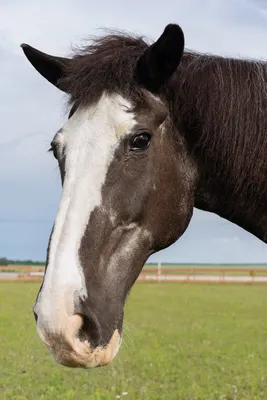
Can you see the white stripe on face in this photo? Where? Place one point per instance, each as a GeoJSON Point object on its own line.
{"type": "Point", "coordinates": [89, 140]}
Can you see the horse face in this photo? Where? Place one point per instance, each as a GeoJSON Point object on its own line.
{"type": "Point", "coordinates": [127, 192]}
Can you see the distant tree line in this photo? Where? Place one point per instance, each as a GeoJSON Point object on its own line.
{"type": "Point", "coordinates": [5, 261]}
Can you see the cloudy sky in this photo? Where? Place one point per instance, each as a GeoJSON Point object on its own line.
{"type": "Point", "coordinates": [32, 110]}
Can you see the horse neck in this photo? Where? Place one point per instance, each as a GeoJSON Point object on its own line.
{"type": "Point", "coordinates": [224, 123]}
{"type": "Point", "coordinates": [228, 201]}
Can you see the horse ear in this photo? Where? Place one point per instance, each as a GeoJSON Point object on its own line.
{"type": "Point", "coordinates": [50, 67]}
{"type": "Point", "coordinates": [159, 61]}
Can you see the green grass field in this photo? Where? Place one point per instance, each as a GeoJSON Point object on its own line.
{"type": "Point", "coordinates": [188, 342]}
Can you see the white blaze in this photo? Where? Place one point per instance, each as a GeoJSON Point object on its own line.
{"type": "Point", "coordinates": [89, 138]}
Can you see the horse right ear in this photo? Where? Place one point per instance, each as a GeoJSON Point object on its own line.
{"type": "Point", "coordinates": [50, 67]}
{"type": "Point", "coordinates": [159, 61]}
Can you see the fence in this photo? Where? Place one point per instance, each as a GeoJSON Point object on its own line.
{"type": "Point", "coordinates": [158, 274]}
{"type": "Point", "coordinates": [223, 275]}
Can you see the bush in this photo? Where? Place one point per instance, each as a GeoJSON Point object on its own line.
{"type": "Point", "coordinates": [3, 261]}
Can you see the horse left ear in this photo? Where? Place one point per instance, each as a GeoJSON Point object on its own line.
{"type": "Point", "coordinates": [50, 67]}
{"type": "Point", "coordinates": [156, 66]}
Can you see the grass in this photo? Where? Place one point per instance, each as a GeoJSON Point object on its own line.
{"type": "Point", "coordinates": [181, 341]}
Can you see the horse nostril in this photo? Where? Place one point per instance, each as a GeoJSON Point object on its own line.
{"type": "Point", "coordinates": [90, 329]}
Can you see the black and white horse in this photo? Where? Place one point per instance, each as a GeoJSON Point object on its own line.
{"type": "Point", "coordinates": [153, 131]}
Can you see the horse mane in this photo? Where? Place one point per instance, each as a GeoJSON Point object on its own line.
{"type": "Point", "coordinates": [220, 103]}
{"type": "Point", "coordinates": [106, 64]}
{"type": "Point", "coordinates": [223, 103]}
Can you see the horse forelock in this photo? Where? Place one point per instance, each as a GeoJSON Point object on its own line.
{"type": "Point", "coordinates": [107, 65]}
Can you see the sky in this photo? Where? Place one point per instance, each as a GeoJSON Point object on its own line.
{"type": "Point", "coordinates": [32, 110]}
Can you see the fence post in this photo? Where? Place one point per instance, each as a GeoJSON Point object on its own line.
{"type": "Point", "coordinates": [159, 270]}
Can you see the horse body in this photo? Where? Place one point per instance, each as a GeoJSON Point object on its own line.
{"type": "Point", "coordinates": [153, 131]}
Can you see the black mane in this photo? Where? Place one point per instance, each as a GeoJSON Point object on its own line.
{"type": "Point", "coordinates": [221, 104]}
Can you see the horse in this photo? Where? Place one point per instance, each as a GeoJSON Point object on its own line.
{"type": "Point", "coordinates": [153, 130]}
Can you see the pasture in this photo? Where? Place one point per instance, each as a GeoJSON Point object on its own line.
{"type": "Point", "coordinates": [181, 341]}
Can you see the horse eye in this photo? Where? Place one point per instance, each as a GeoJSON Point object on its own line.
{"type": "Point", "coordinates": [53, 149]}
{"type": "Point", "coordinates": [141, 141]}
